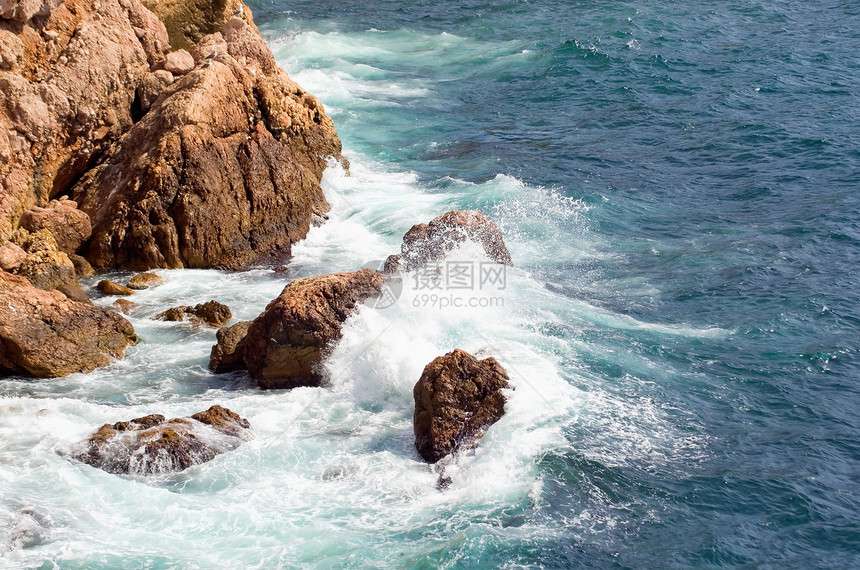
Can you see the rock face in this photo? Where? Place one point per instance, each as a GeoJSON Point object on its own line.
{"type": "Point", "coordinates": [286, 342]}
{"type": "Point", "coordinates": [456, 399]}
{"type": "Point", "coordinates": [188, 21]}
{"type": "Point", "coordinates": [67, 91]}
{"type": "Point", "coordinates": [234, 153]}
{"type": "Point", "coordinates": [212, 313]}
{"type": "Point", "coordinates": [427, 243]}
{"type": "Point", "coordinates": [228, 354]}
{"type": "Point", "coordinates": [44, 334]}
{"type": "Point", "coordinates": [153, 445]}
{"type": "Point", "coordinates": [69, 226]}
{"type": "Point", "coordinates": [205, 156]}
{"type": "Point", "coordinates": [46, 266]}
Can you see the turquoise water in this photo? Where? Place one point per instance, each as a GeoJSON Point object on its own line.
{"type": "Point", "coordinates": [680, 191]}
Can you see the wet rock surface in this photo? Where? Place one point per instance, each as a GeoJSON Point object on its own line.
{"type": "Point", "coordinates": [111, 288]}
{"type": "Point", "coordinates": [144, 281]}
{"type": "Point", "coordinates": [287, 341]}
{"type": "Point", "coordinates": [228, 354]}
{"type": "Point", "coordinates": [427, 243]}
{"type": "Point", "coordinates": [153, 445]}
{"type": "Point", "coordinates": [456, 399]}
{"type": "Point", "coordinates": [211, 313]}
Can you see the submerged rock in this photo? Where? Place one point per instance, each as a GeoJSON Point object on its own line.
{"type": "Point", "coordinates": [427, 243]}
{"type": "Point", "coordinates": [456, 399]}
{"type": "Point", "coordinates": [45, 334]}
{"type": "Point", "coordinates": [125, 306]}
{"type": "Point", "coordinates": [153, 445]}
{"type": "Point", "coordinates": [287, 341]}
{"type": "Point", "coordinates": [227, 355]}
{"type": "Point", "coordinates": [212, 313]}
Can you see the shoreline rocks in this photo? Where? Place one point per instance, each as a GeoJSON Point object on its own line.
{"type": "Point", "coordinates": [153, 445]}
{"type": "Point", "coordinates": [456, 399]}
{"type": "Point", "coordinates": [46, 335]}
{"type": "Point", "coordinates": [228, 354]}
{"type": "Point", "coordinates": [211, 313]}
{"type": "Point", "coordinates": [288, 340]}
{"type": "Point", "coordinates": [428, 243]}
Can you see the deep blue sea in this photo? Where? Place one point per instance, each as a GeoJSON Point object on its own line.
{"type": "Point", "coordinates": [679, 186]}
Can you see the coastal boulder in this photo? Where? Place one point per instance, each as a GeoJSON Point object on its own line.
{"type": "Point", "coordinates": [46, 266]}
{"type": "Point", "coordinates": [45, 334]}
{"type": "Point", "coordinates": [286, 342]}
{"type": "Point", "coordinates": [144, 281]}
{"type": "Point", "coordinates": [111, 288]}
{"type": "Point", "coordinates": [69, 226]}
{"type": "Point", "coordinates": [153, 445]}
{"type": "Point", "coordinates": [223, 170]}
{"type": "Point", "coordinates": [456, 399]}
{"type": "Point", "coordinates": [227, 355]}
{"type": "Point", "coordinates": [212, 313]}
{"type": "Point", "coordinates": [428, 243]}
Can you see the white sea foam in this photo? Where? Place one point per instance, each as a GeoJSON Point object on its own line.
{"type": "Point", "coordinates": [332, 473]}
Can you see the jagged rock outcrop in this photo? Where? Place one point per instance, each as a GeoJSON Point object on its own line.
{"type": "Point", "coordinates": [69, 226]}
{"type": "Point", "coordinates": [45, 266]}
{"type": "Point", "coordinates": [153, 445]}
{"type": "Point", "coordinates": [68, 83]}
{"type": "Point", "coordinates": [212, 313]}
{"type": "Point", "coordinates": [286, 342]}
{"type": "Point", "coordinates": [456, 399]}
{"type": "Point", "coordinates": [428, 243]}
{"type": "Point", "coordinates": [205, 156]}
{"type": "Point", "coordinates": [45, 334]}
{"type": "Point", "coordinates": [228, 354]}
{"type": "Point", "coordinates": [234, 153]}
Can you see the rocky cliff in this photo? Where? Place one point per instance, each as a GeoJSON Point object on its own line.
{"type": "Point", "coordinates": [172, 127]}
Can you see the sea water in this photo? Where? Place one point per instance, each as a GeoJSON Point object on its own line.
{"type": "Point", "coordinates": [679, 187]}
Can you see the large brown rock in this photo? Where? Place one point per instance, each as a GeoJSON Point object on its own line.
{"type": "Point", "coordinates": [228, 354]}
{"type": "Point", "coordinates": [212, 313]}
{"type": "Point", "coordinates": [287, 341]}
{"type": "Point", "coordinates": [67, 92]}
{"type": "Point", "coordinates": [144, 281]}
{"type": "Point", "coordinates": [428, 243]}
{"type": "Point", "coordinates": [69, 226]}
{"type": "Point", "coordinates": [222, 171]}
{"type": "Point", "coordinates": [456, 399]}
{"type": "Point", "coordinates": [45, 334]}
{"type": "Point", "coordinates": [153, 445]}
{"type": "Point", "coordinates": [46, 266]}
